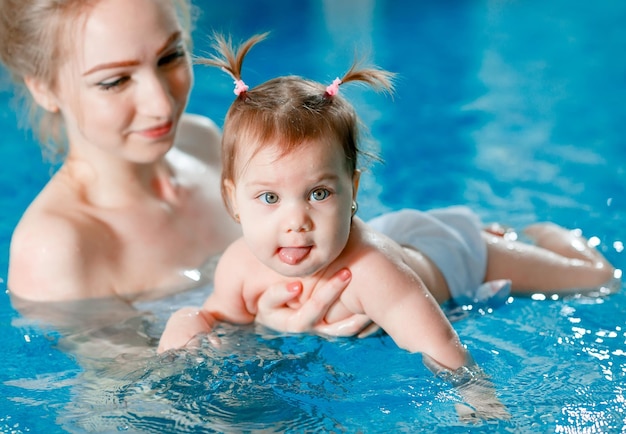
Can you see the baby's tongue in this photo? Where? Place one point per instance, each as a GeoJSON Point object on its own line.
{"type": "Point", "coordinates": [293, 255]}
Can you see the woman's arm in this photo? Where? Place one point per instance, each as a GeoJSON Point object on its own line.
{"type": "Point", "coordinates": [90, 330]}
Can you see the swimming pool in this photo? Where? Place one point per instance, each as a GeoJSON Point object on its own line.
{"type": "Point", "coordinates": [513, 108]}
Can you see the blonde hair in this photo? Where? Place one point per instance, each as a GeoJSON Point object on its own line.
{"type": "Point", "coordinates": [287, 111]}
{"type": "Point", "coordinates": [34, 42]}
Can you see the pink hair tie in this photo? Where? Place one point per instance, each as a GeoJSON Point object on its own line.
{"type": "Point", "coordinates": [333, 89]}
{"type": "Point", "coordinates": [240, 87]}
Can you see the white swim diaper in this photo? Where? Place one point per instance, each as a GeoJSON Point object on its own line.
{"type": "Point", "coordinates": [450, 237]}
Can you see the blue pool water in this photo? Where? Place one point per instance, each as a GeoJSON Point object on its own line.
{"type": "Point", "coordinates": [513, 108]}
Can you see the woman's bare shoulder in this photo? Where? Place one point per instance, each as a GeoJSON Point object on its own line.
{"type": "Point", "coordinates": [51, 252]}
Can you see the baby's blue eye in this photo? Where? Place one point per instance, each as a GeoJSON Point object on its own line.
{"type": "Point", "coordinates": [269, 198]}
{"type": "Point", "coordinates": [319, 194]}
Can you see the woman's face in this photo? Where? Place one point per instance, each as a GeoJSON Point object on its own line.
{"type": "Point", "coordinates": [126, 81]}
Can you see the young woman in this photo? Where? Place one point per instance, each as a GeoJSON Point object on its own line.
{"type": "Point", "coordinates": [128, 215]}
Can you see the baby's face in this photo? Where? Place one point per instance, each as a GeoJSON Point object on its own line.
{"type": "Point", "coordinates": [295, 210]}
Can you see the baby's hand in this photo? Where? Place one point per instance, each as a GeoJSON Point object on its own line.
{"type": "Point", "coordinates": [482, 401]}
{"type": "Point", "coordinates": [183, 326]}
{"type": "Point", "coordinates": [474, 386]}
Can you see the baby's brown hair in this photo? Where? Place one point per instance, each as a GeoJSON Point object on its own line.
{"type": "Point", "coordinates": [288, 111]}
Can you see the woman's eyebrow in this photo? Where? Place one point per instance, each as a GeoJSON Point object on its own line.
{"type": "Point", "coordinates": [126, 63]}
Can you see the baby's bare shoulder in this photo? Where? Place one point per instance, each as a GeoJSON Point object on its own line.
{"type": "Point", "coordinates": [238, 264]}
{"type": "Point", "coordinates": [369, 256]}
{"type": "Point", "coordinates": [367, 244]}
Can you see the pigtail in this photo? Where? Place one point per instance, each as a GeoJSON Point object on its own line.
{"type": "Point", "coordinates": [230, 58]}
{"type": "Point", "coordinates": [379, 79]}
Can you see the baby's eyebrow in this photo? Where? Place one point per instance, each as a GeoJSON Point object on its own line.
{"type": "Point", "coordinates": [263, 182]}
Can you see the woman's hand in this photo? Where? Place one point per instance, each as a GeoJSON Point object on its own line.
{"type": "Point", "coordinates": [274, 312]}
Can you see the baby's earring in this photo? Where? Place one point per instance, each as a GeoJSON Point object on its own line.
{"type": "Point", "coordinates": [354, 207]}
{"type": "Point", "coordinates": [236, 217]}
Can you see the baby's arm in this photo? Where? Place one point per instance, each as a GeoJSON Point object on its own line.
{"type": "Point", "coordinates": [184, 325]}
{"type": "Point", "coordinates": [393, 296]}
{"type": "Point", "coordinates": [475, 388]}
{"type": "Point", "coordinates": [188, 322]}
{"type": "Point", "coordinates": [397, 299]}
{"type": "Point", "coordinates": [226, 303]}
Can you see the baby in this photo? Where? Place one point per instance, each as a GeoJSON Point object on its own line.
{"type": "Point", "coordinates": [290, 178]}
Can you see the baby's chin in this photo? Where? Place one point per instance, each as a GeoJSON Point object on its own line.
{"type": "Point", "coordinates": [301, 270]}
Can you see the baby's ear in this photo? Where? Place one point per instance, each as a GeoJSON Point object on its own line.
{"type": "Point", "coordinates": [229, 197]}
{"type": "Point", "coordinates": [356, 177]}
{"type": "Point", "coordinates": [42, 94]}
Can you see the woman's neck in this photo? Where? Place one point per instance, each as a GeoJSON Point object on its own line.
{"type": "Point", "coordinates": [117, 184]}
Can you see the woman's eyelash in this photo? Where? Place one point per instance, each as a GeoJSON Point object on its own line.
{"type": "Point", "coordinates": [180, 52]}
{"type": "Point", "coordinates": [108, 85]}
{"type": "Point", "coordinates": [177, 54]}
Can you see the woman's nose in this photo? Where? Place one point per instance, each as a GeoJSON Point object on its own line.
{"type": "Point", "coordinates": [156, 98]}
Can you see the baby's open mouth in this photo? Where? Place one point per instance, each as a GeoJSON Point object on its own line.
{"type": "Point", "coordinates": [293, 255]}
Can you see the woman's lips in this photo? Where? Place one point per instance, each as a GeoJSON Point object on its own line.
{"type": "Point", "coordinates": [293, 255]}
{"type": "Point", "coordinates": [158, 132]}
